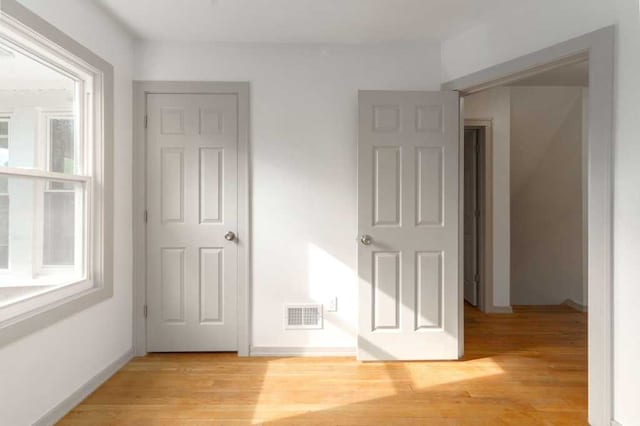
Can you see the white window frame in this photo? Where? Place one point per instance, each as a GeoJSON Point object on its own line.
{"type": "Point", "coordinates": [17, 38]}
{"type": "Point", "coordinates": [29, 34]}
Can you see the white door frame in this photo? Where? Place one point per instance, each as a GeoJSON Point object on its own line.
{"type": "Point", "coordinates": [599, 47]}
{"type": "Point", "coordinates": [140, 91]}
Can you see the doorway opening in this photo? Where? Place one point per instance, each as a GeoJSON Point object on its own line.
{"type": "Point", "coordinates": [475, 224]}
{"type": "Point", "coordinates": [596, 51]}
{"type": "Point", "coordinates": [538, 221]}
{"type": "Point", "coordinates": [536, 191]}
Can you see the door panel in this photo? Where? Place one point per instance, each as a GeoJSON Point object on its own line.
{"type": "Point", "coordinates": [211, 185]}
{"type": "Point", "coordinates": [192, 144]}
{"type": "Point", "coordinates": [172, 284]}
{"type": "Point", "coordinates": [211, 285]}
{"type": "Point", "coordinates": [387, 186]}
{"type": "Point", "coordinates": [429, 183]}
{"type": "Point", "coordinates": [429, 290]}
{"type": "Point", "coordinates": [408, 219]}
{"type": "Point", "coordinates": [172, 184]}
{"type": "Point", "coordinates": [386, 290]}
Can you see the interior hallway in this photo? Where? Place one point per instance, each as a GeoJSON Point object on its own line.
{"type": "Point", "coordinates": [525, 368]}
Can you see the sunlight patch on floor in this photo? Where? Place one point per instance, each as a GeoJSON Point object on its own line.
{"type": "Point", "coordinates": [354, 382]}
{"type": "Point", "coordinates": [425, 375]}
{"type": "Point", "coordinates": [277, 401]}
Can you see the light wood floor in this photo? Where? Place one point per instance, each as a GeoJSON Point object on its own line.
{"type": "Point", "coordinates": [529, 368]}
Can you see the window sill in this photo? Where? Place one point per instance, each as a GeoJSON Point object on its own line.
{"type": "Point", "coordinates": [35, 313]}
{"type": "Point", "coordinates": [46, 295]}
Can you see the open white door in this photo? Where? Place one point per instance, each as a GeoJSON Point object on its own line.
{"type": "Point", "coordinates": [408, 259]}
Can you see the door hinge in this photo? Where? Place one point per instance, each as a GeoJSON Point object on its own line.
{"type": "Point", "coordinates": [476, 278]}
{"type": "Point", "coordinates": [145, 311]}
{"type": "Point", "coordinates": [146, 216]}
{"type": "Point", "coordinates": [146, 121]}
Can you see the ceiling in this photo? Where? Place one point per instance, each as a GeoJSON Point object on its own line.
{"type": "Point", "coordinates": [576, 74]}
{"type": "Point", "coordinates": [300, 21]}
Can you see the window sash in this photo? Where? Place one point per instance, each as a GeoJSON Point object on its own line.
{"type": "Point", "coordinates": [43, 174]}
{"type": "Point", "coordinates": [88, 86]}
{"type": "Point", "coordinates": [84, 249]}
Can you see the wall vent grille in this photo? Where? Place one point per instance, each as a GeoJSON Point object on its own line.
{"type": "Point", "coordinates": [303, 316]}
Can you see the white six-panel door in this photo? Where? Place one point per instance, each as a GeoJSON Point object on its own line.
{"type": "Point", "coordinates": [408, 221]}
{"type": "Point", "coordinates": [192, 148]}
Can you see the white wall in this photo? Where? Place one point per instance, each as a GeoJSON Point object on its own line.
{"type": "Point", "coordinates": [42, 369]}
{"type": "Point", "coordinates": [494, 105]}
{"type": "Point", "coordinates": [303, 141]}
{"type": "Point", "coordinates": [544, 23]}
{"type": "Point", "coordinates": [546, 195]}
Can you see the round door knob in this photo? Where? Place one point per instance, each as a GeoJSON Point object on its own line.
{"type": "Point", "coordinates": [366, 239]}
{"type": "Point", "coordinates": [230, 236]}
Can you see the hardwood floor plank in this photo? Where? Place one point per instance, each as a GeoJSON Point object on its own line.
{"type": "Point", "coordinates": [525, 368]}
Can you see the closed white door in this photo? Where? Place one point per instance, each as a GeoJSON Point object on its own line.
{"type": "Point", "coordinates": [409, 297]}
{"type": "Point", "coordinates": [471, 216]}
{"type": "Point", "coordinates": [192, 201]}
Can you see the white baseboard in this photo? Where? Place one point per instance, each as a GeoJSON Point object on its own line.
{"type": "Point", "coordinates": [499, 310]}
{"type": "Point", "coordinates": [614, 423]}
{"type": "Point", "coordinates": [52, 416]}
{"type": "Point", "coordinates": [285, 351]}
{"type": "Point", "coordinates": [575, 305]}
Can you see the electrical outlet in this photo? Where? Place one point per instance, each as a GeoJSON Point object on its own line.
{"type": "Point", "coordinates": [333, 305]}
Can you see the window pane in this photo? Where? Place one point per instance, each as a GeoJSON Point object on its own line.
{"type": "Point", "coordinates": [61, 146]}
{"type": "Point", "coordinates": [4, 231]}
{"type": "Point", "coordinates": [59, 227]}
{"type": "Point", "coordinates": [41, 237]}
{"type": "Point", "coordinates": [34, 93]}
{"type": "Point", "coordinates": [4, 195]}
{"type": "Point", "coordinates": [4, 144]}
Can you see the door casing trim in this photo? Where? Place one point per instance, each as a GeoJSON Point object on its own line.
{"type": "Point", "coordinates": [140, 91]}
{"type": "Point", "coordinates": [599, 47]}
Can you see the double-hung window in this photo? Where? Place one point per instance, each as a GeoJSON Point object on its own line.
{"type": "Point", "coordinates": [54, 173]}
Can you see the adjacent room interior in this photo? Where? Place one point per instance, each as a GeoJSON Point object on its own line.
{"type": "Point", "coordinates": [525, 155]}
{"type": "Point", "coordinates": [300, 212]}
{"type": "Point", "coordinates": [525, 212]}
